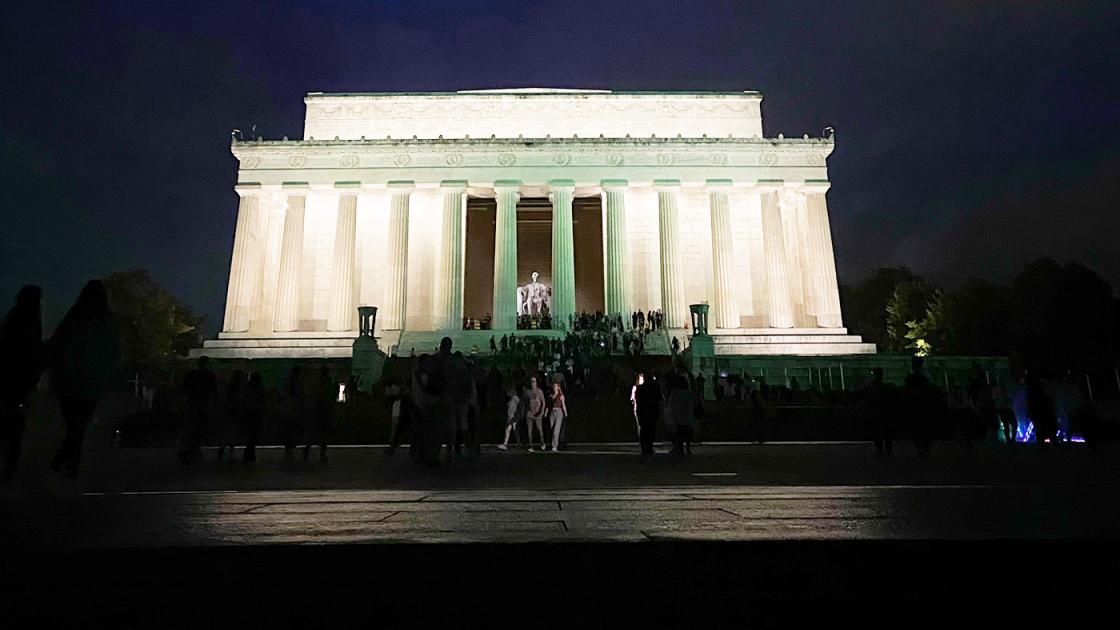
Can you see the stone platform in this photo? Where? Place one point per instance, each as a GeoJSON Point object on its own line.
{"type": "Point", "coordinates": [295, 345]}
{"type": "Point", "coordinates": [332, 345]}
{"type": "Point", "coordinates": [427, 341]}
{"type": "Point", "coordinates": [788, 341]}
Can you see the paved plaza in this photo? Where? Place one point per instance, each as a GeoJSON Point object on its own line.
{"type": "Point", "coordinates": [587, 493]}
{"type": "Point", "coordinates": [771, 535]}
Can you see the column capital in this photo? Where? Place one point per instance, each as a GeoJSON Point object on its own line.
{"type": "Point", "coordinates": [666, 185]}
{"type": "Point", "coordinates": [401, 186]}
{"type": "Point", "coordinates": [718, 185]}
{"type": "Point", "coordinates": [615, 184]}
{"type": "Point", "coordinates": [453, 185]}
{"type": "Point", "coordinates": [507, 186]}
{"type": "Point", "coordinates": [295, 188]}
{"type": "Point", "coordinates": [815, 186]}
{"type": "Point", "coordinates": [568, 185]}
{"type": "Point", "coordinates": [770, 185]}
{"type": "Point", "coordinates": [348, 185]}
{"type": "Point", "coordinates": [246, 189]}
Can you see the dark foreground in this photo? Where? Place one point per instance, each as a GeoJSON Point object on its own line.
{"type": "Point", "coordinates": [737, 536]}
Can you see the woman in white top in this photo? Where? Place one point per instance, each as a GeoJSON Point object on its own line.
{"type": "Point", "coordinates": [557, 416]}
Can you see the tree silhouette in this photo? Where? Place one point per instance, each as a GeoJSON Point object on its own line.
{"type": "Point", "coordinates": [154, 324]}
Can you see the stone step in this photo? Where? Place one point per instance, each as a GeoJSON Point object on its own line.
{"type": "Point", "coordinates": [752, 339]}
{"type": "Point", "coordinates": [279, 352]}
{"type": "Point", "coordinates": [322, 342]}
{"type": "Point", "coordinates": [797, 349]}
{"type": "Point", "coordinates": [723, 332]}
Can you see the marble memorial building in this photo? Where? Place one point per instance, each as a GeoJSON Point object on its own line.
{"type": "Point", "coordinates": [438, 207]}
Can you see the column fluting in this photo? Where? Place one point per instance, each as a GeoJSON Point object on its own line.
{"type": "Point", "coordinates": [672, 287]}
{"type": "Point", "coordinates": [723, 255]}
{"type": "Point", "coordinates": [617, 251]}
{"type": "Point", "coordinates": [505, 255]}
{"type": "Point", "coordinates": [291, 262]}
{"type": "Point", "coordinates": [451, 256]}
{"type": "Point", "coordinates": [244, 269]}
{"type": "Point", "coordinates": [774, 250]}
{"type": "Point", "coordinates": [396, 261]}
{"type": "Point", "coordinates": [563, 252]}
{"type": "Point", "coordinates": [340, 309]}
{"type": "Point", "coordinates": [826, 292]}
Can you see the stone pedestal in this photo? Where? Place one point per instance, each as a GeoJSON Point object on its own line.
{"type": "Point", "coordinates": [699, 314]}
{"type": "Point", "coordinates": [367, 361]}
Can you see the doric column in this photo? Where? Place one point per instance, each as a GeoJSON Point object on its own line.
{"type": "Point", "coordinates": [340, 308]}
{"type": "Point", "coordinates": [505, 255]}
{"type": "Point", "coordinates": [789, 204]}
{"type": "Point", "coordinates": [617, 255]}
{"type": "Point", "coordinates": [291, 259]}
{"type": "Point", "coordinates": [822, 261]}
{"type": "Point", "coordinates": [672, 286]}
{"type": "Point", "coordinates": [244, 269]}
{"type": "Point", "coordinates": [723, 255]}
{"type": "Point", "coordinates": [563, 252]}
{"type": "Point", "coordinates": [451, 255]}
{"type": "Point", "coordinates": [396, 261]}
{"type": "Point", "coordinates": [774, 250]}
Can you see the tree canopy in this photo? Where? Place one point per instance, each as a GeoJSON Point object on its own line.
{"type": "Point", "coordinates": [1051, 316]}
{"type": "Point", "coordinates": [154, 324]}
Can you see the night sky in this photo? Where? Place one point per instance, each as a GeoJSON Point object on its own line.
{"type": "Point", "coordinates": [970, 136]}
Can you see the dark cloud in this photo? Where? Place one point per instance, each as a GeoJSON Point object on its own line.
{"type": "Point", "coordinates": [971, 136]}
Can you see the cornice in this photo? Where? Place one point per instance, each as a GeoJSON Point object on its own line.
{"type": "Point", "coordinates": [537, 152]}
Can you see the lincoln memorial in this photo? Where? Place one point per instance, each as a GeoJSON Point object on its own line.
{"type": "Point", "coordinates": [447, 210]}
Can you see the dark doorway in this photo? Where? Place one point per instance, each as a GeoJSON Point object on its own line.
{"type": "Point", "coordinates": [534, 250]}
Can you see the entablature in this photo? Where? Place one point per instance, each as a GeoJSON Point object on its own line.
{"type": "Point", "coordinates": [534, 159]}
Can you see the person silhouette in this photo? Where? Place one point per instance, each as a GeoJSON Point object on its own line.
{"type": "Point", "coordinates": [296, 412]}
{"type": "Point", "coordinates": [231, 419]}
{"type": "Point", "coordinates": [21, 365]}
{"type": "Point", "coordinates": [253, 408]}
{"type": "Point", "coordinates": [326, 395]}
{"type": "Point", "coordinates": [200, 389]}
{"type": "Point", "coordinates": [1040, 407]}
{"type": "Point", "coordinates": [82, 356]}
{"type": "Point", "coordinates": [648, 399]}
{"type": "Point", "coordinates": [879, 412]}
{"type": "Point", "coordinates": [920, 396]}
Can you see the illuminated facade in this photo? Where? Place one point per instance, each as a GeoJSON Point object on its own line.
{"type": "Point", "coordinates": [684, 198]}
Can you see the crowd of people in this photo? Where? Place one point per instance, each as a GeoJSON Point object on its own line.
{"type": "Point", "coordinates": [441, 408]}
